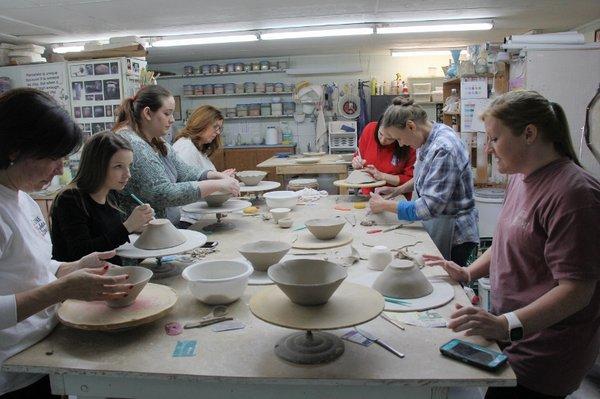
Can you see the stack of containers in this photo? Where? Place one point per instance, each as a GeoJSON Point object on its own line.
{"type": "Point", "coordinates": [26, 54]}
{"type": "Point", "coordinates": [422, 92]}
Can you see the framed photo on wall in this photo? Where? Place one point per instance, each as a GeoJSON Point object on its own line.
{"type": "Point", "coordinates": [177, 111]}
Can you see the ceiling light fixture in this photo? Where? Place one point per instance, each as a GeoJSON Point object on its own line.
{"type": "Point", "coordinates": [186, 41]}
{"type": "Point", "coordinates": [436, 26]}
{"type": "Point", "coordinates": [68, 49]}
{"type": "Point", "coordinates": [313, 33]}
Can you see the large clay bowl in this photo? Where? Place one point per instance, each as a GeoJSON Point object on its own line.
{"type": "Point", "coordinates": [251, 177]}
{"type": "Point", "coordinates": [138, 277]}
{"type": "Point", "coordinates": [216, 199]}
{"type": "Point", "coordinates": [159, 234]}
{"type": "Point", "coordinates": [307, 282]}
{"type": "Point", "coordinates": [281, 199]}
{"type": "Point", "coordinates": [263, 254]}
{"type": "Point", "coordinates": [217, 282]}
{"type": "Point", "coordinates": [325, 228]}
{"type": "Point", "coordinates": [403, 279]}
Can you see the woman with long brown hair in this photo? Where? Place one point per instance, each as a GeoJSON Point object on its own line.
{"type": "Point", "coordinates": [85, 216]}
{"type": "Point", "coordinates": [544, 262]}
{"type": "Point", "coordinates": [158, 176]}
{"type": "Point", "coordinates": [200, 138]}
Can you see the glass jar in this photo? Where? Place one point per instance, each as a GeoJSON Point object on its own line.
{"type": "Point", "coordinates": [289, 87]}
{"type": "Point", "coordinates": [254, 109]}
{"type": "Point", "coordinates": [265, 109]}
{"type": "Point", "coordinates": [241, 110]}
{"type": "Point", "coordinates": [260, 87]}
{"type": "Point", "coordinates": [249, 87]}
{"type": "Point", "coordinates": [218, 89]}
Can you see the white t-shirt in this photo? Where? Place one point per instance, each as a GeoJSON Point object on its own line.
{"type": "Point", "coordinates": [187, 151]}
{"type": "Point", "coordinates": [25, 263]}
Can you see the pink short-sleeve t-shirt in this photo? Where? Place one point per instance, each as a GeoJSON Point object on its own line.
{"type": "Point", "coordinates": [549, 229]}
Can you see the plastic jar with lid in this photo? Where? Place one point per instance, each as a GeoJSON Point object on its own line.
{"type": "Point", "coordinates": [188, 90]}
{"type": "Point", "coordinates": [278, 87]}
{"type": "Point", "coordinates": [222, 68]}
{"type": "Point", "coordinates": [288, 108]}
{"type": "Point", "coordinates": [214, 68]}
{"type": "Point", "coordinates": [249, 87]}
{"type": "Point", "coordinates": [198, 90]}
{"type": "Point", "coordinates": [276, 109]}
{"type": "Point", "coordinates": [247, 67]}
{"type": "Point", "coordinates": [218, 89]}
{"type": "Point", "coordinates": [208, 89]}
{"type": "Point", "coordinates": [260, 87]}
{"type": "Point", "coordinates": [241, 110]}
{"type": "Point", "coordinates": [269, 87]}
{"type": "Point", "coordinates": [238, 67]}
{"type": "Point", "coordinates": [239, 88]}
{"type": "Point", "coordinates": [230, 67]}
{"type": "Point", "coordinates": [255, 66]}
{"type": "Point", "coordinates": [265, 65]}
{"type": "Point", "coordinates": [205, 69]}
{"type": "Point", "coordinates": [254, 109]}
{"type": "Point", "coordinates": [188, 70]}
{"type": "Point", "coordinates": [265, 109]}
{"type": "Point", "coordinates": [229, 88]}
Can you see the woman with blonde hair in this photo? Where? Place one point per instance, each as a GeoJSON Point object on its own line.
{"type": "Point", "coordinates": [200, 138]}
{"type": "Point", "coordinates": [543, 263]}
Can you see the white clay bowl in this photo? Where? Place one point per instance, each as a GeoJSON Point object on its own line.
{"type": "Point", "coordinates": [281, 199]}
{"type": "Point", "coordinates": [217, 282]}
{"type": "Point", "coordinates": [404, 280]}
{"type": "Point", "coordinates": [138, 277]}
{"type": "Point", "coordinates": [263, 254]}
{"type": "Point", "coordinates": [280, 213]}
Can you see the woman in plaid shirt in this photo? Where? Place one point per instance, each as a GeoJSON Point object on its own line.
{"type": "Point", "coordinates": [442, 180]}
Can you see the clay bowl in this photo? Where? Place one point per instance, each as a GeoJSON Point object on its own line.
{"type": "Point", "coordinates": [280, 213]}
{"type": "Point", "coordinates": [216, 199]}
{"type": "Point", "coordinates": [403, 279]}
{"type": "Point", "coordinates": [251, 177]}
{"type": "Point", "coordinates": [138, 276]}
{"type": "Point", "coordinates": [325, 228]}
{"type": "Point", "coordinates": [263, 254]}
{"type": "Point", "coordinates": [217, 282]}
{"type": "Point", "coordinates": [346, 157]}
{"type": "Point", "coordinates": [307, 282]}
{"type": "Point", "coordinates": [285, 223]}
{"type": "Point", "coordinates": [159, 234]}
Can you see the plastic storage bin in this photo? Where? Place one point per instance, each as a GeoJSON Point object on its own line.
{"type": "Point", "coordinates": [421, 88]}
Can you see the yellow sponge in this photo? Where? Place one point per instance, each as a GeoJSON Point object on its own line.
{"type": "Point", "coordinates": [360, 205]}
{"type": "Point", "coordinates": [251, 210]}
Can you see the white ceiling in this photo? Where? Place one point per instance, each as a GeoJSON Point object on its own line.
{"type": "Point", "coordinates": [57, 21]}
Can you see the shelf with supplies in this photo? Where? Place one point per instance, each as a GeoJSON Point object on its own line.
{"type": "Point", "coordinates": [236, 118]}
{"type": "Point", "coordinates": [208, 75]}
{"type": "Point", "coordinates": [255, 94]}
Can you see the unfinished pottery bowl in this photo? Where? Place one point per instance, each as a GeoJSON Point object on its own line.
{"type": "Point", "coordinates": [159, 234]}
{"type": "Point", "coordinates": [325, 228]}
{"type": "Point", "coordinates": [346, 157]}
{"type": "Point", "coordinates": [138, 277]}
{"type": "Point", "coordinates": [263, 254]}
{"type": "Point", "coordinates": [251, 177]}
{"type": "Point", "coordinates": [307, 282]}
{"type": "Point", "coordinates": [216, 199]}
{"type": "Point", "coordinates": [217, 282]}
{"type": "Point", "coordinates": [280, 213]}
{"type": "Point", "coordinates": [285, 223]}
{"type": "Point", "coordinates": [379, 257]}
{"type": "Point", "coordinates": [403, 279]}
{"type": "Point", "coordinates": [281, 199]}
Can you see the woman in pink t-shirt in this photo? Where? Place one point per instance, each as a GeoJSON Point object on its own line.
{"type": "Point", "coordinates": [544, 262]}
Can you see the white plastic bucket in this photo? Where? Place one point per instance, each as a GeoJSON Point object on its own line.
{"type": "Point", "coordinates": [488, 202]}
{"type": "Point", "coordinates": [484, 288]}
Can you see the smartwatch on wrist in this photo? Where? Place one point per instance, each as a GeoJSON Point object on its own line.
{"type": "Point", "coordinates": [515, 328]}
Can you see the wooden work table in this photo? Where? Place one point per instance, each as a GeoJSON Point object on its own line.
{"type": "Point", "coordinates": [138, 363]}
{"type": "Point", "coordinates": [328, 164]}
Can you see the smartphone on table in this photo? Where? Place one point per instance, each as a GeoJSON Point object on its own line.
{"type": "Point", "coordinates": [474, 354]}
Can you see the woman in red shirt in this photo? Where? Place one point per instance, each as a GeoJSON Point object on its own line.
{"type": "Point", "coordinates": [383, 158]}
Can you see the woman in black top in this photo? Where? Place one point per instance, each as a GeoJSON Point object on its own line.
{"type": "Point", "coordinates": [85, 217]}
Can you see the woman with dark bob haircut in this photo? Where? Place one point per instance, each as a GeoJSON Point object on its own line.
{"type": "Point", "coordinates": [85, 216]}
{"type": "Point", "coordinates": [36, 136]}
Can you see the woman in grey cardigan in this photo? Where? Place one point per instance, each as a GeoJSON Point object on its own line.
{"type": "Point", "coordinates": [158, 176]}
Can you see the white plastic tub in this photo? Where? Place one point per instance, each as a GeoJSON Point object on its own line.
{"type": "Point", "coordinates": [488, 202]}
{"type": "Point", "coordinates": [217, 282]}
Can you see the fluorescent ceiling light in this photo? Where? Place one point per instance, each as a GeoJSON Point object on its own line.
{"type": "Point", "coordinates": [447, 26]}
{"type": "Point", "coordinates": [181, 41]}
{"type": "Point", "coordinates": [297, 34]}
{"type": "Point", "coordinates": [401, 53]}
{"type": "Point", "coordinates": [67, 49]}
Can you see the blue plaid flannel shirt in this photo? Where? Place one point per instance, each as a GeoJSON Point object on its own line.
{"type": "Point", "coordinates": [445, 183]}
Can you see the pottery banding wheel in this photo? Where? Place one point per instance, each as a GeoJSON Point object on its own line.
{"type": "Point", "coordinates": [308, 241]}
{"type": "Point", "coordinates": [232, 205]}
{"type": "Point", "coordinates": [264, 185]}
{"type": "Point", "coordinates": [344, 183]}
{"type": "Point", "coordinates": [351, 305]}
{"type": "Point", "coordinates": [154, 302]}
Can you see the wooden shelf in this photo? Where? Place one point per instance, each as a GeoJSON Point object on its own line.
{"type": "Point", "coordinates": [208, 75]}
{"type": "Point", "coordinates": [241, 95]}
{"type": "Point", "coordinates": [258, 117]}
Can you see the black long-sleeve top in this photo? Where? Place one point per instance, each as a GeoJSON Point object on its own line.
{"type": "Point", "coordinates": [80, 226]}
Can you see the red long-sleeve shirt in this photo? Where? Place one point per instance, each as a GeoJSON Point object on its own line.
{"type": "Point", "coordinates": [383, 157]}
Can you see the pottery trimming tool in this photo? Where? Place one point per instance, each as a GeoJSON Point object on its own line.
{"type": "Point", "coordinates": [379, 342]}
{"type": "Point", "coordinates": [387, 318]}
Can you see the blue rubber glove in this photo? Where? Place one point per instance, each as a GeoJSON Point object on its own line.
{"type": "Point", "coordinates": [406, 210]}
